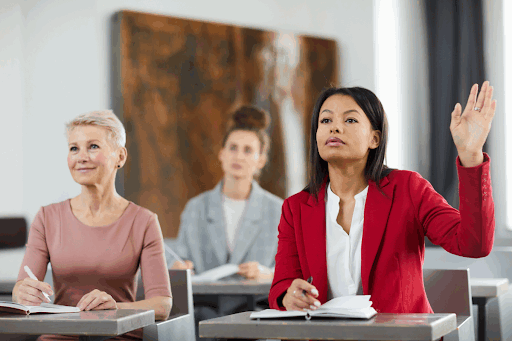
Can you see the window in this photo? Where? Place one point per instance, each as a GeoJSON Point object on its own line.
{"type": "Point", "coordinates": [506, 110]}
{"type": "Point", "coordinates": [387, 75]}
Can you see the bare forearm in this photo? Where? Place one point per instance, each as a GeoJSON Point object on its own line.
{"type": "Point", "coordinates": [161, 305]}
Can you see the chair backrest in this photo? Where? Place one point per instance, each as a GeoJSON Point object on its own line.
{"type": "Point", "coordinates": [180, 325]}
{"type": "Point", "coordinates": [13, 232]}
{"type": "Point", "coordinates": [181, 286]}
{"type": "Point", "coordinates": [448, 291]}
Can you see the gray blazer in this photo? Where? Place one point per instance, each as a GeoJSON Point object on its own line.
{"type": "Point", "coordinates": [202, 236]}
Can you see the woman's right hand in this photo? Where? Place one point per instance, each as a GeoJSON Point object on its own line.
{"type": "Point", "coordinates": [30, 292]}
{"type": "Point", "coordinates": [180, 266]}
{"type": "Point", "coordinates": [296, 300]}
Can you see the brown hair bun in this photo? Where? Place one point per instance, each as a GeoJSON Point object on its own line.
{"type": "Point", "coordinates": [249, 118]}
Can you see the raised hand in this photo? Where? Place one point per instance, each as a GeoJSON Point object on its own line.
{"type": "Point", "coordinates": [471, 128]}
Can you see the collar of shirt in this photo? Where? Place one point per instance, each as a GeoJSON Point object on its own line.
{"type": "Point", "coordinates": [333, 204]}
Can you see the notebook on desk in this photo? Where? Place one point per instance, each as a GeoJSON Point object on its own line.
{"type": "Point", "coordinates": [16, 308]}
{"type": "Point", "coordinates": [358, 306]}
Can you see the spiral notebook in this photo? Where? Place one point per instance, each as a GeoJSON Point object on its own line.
{"type": "Point", "coordinates": [358, 306]}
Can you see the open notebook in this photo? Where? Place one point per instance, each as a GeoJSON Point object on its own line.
{"type": "Point", "coordinates": [344, 307]}
{"type": "Point", "coordinates": [16, 308]}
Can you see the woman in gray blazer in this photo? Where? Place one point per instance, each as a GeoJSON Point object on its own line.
{"type": "Point", "coordinates": [235, 222]}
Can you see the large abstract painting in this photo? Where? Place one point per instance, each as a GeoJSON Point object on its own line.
{"type": "Point", "coordinates": [176, 81]}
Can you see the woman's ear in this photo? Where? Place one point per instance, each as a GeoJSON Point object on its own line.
{"type": "Point", "coordinates": [376, 137]}
{"type": "Point", "coordinates": [221, 154]}
{"type": "Point", "coordinates": [262, 161]}
{"type": "Point", "coordinates": [122, 155]}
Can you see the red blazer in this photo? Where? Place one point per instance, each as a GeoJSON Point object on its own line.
{"type": "Point", "coordinates": [393, 248]}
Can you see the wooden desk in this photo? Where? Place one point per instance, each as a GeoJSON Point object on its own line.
{"type": "Point", "coordinates": [381, 327]}
{"type": "Point", "coordinates": [89, 325]}
{"type": "Point", "coordinates": [249, 288]}
{"type": "Point", "coordinates": [482, 290]}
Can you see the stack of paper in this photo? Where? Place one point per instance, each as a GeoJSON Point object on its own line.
{"type": "Point", "coordinates": [216, 273]}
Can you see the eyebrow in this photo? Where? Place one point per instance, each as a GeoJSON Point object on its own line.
{"type": "Point", "coordinates": [346, 112]}
{"type": "Point", "coordinates": [89, 141]}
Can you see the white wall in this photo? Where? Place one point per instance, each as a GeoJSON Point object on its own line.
{"type": "Point", "coordinates": [64, 70]}
{"type": "Point", "coordinates": [11, 109]}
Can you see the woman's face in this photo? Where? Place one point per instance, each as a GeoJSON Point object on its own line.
{"type": "Point", "coordinates": [344, 132]}
{"type": "Point", "coordinates": [92, 158]}
{"type": "Point", "coordinates": [240, 157]}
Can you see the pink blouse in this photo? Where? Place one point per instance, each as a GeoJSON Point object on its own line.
{"type": "Point", "coordinates": [106, 258]}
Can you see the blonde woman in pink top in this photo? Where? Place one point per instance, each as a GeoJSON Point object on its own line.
{"type": "Point", "coordinates": [96, 241]}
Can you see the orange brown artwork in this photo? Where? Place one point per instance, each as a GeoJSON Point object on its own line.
{"type": "Point", "coordinates": [176, 82]}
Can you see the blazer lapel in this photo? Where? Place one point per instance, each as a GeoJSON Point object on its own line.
{"type": "Point", "coordinates": [215, 223]}
{"type": "Point", "coordinates": [313, 233]}
{"type": "Point", "coordinates": [376, 214]}
{"type": "Point", "coordinates": [249, 226]}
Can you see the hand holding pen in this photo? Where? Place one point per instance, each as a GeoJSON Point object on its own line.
{"type": "Point", "coordinates": [301, 295]}
{"type": "Point", "coordinates": [179, 264]}
{"type": "Point", "coordinates": [31, 291]}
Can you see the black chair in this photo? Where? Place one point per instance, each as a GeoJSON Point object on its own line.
{"type": "Point", "coordinates": [13, 232]}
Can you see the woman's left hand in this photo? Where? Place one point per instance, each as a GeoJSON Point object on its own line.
{"type": "Point", "coordinates": [97, 300]}
{"type": "Point", "coordinates": [249, 270]}
{"type": "Point", "coordinates": [471, 128]}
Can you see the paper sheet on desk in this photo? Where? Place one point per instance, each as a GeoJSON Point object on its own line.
{"type": "Point", "coordinates": [216, 273]}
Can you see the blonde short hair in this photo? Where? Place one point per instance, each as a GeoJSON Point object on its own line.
{"type": "Point", "coordinates": [101, 118]}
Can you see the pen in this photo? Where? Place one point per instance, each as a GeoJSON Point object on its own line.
{"type": "Point", "coordinates": [174, 254]}
{"type": "Point", "coordinates": [31, 275]}
{"type": "Point", "coordinates": [310, 280]}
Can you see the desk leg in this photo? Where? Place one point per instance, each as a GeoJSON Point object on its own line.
{"type": "Point", "coordinates": [481, 302]}
{"type": "Point", "coordinates": [251, 302]}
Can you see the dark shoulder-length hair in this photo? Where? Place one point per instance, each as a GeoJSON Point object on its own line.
{"type": "Point", "coordinates": [375, 169]}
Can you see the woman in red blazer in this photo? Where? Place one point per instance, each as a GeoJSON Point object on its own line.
{"type": "Point", "coordinates": [348, 144]}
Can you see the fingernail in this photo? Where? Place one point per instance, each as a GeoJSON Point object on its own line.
{"type": "Point", "coordinates": [312, 307]}
{"type": "Point", "coordinates": [317, 303]}
{"type": "Point", "coordinates": [314, 292]}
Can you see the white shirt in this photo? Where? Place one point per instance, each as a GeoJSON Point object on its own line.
{"type": "Point", "coordinates": [343, 250]}
{"type": "Point", "coordinates": [233, 211]}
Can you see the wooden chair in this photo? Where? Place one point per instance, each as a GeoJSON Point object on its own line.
{"type": "Point", "coordinates": [180, 324]}
{"type": "Point", "coordinates": [449, 291]}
